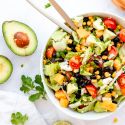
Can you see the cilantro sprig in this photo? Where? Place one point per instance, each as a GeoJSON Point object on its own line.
{"type": "Point", "coordinates": [35, 88]}
{"type": "Point", "coordinates": [18, 119]}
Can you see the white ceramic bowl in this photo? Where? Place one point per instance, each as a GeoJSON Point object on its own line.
{"type": "Point", "coordinates": [50, 93]}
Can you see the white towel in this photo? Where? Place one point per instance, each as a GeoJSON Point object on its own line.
{"type": "Point", "coordinates": [12, 102]}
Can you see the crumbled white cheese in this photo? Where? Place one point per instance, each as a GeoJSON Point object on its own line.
{"type": "Point", "coordinates": [65, 66]}
{"type": "Point", "coordinates": [83, 91]}
{"type": "Point", "coordinates": [106, 99]}
{"type": "Point", "coordinates": [105, 83]}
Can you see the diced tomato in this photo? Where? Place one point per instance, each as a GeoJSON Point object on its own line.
{"type": "Point", "coordinates": [92, 90]}
{"type": "Point", "coordinates": [75, 62]}
{"type": "Point", "coordinates": [68, 75]}
{"type": "Point", "coordinates": [21, 39]}
{"type": "Point", "coordinates": [110, 23]}
{"type": "Point", "coordinates": [121, 82]}
{"type": "Point", "coordinates": [113, 52]}
{"type": "Point", "coordinates": [49, 52]}
{"type": "Point", "coordinates": [122, 35]}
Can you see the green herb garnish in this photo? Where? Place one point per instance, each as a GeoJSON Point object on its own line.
{"type": "Point", "coordinates": [18, 119]}
{"type": "Point", "coordinates": [34, 88]}
{"type": "Point", "coordinates": [47, 5]}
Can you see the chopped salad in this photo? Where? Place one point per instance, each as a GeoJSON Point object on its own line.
{"type": "Point", "coordinates": [85, 69]}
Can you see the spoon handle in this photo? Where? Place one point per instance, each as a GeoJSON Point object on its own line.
{"type": "Point", "coordinates": [63, 14]}
{"type": "Point", "coordinates": [44, 13]}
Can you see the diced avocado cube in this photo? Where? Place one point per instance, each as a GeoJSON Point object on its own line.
{"type": "Point", "coordinates": [51, 69]}
{"type": "Point", "coordinates": [71, 88]}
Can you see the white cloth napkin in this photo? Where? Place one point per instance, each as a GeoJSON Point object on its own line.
{"type": "Point", "coordinates": [12, 102]}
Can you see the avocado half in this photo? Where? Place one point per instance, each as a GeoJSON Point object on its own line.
{"type": "Point", "coordinates": [6, 69]}
{"type": "Point", "coordinates": [10, 28]}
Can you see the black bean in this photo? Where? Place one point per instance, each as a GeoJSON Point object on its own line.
{"type": "Point", "coordinates": [111, 90]}
{"type": "Point", "coordinates": [105, 52]}
{"type": "Point", "coordinates": [116, 40]}
{"type": "Point", "coordinates": [60, 59]}
{"type": "Point", "coordinates": [111, 29]}
{"type": "Point", "coordinates": [78, 94]}
{"type": "Point", "coordinates": [93, 30]}
{"type": "Point", "coordinates": [64, 87]}
{"type": "Point", "coordinates": [108, 69]}
{"type": "Point", "coordinates": [54, 55]}
{"type": "Point", "coordinates": [77, 75]}
{"type": "Point", "coordinates": [96, 62]}
{"type": "Point", "coordinates": [113, 97]}
{"type": "Point", "coordinates": [101, 38]}
{"type": "Point", "coordinates": [83, 84]}
{"type": "Point", "coordinates": [114, 102]}
{"type": "Point", "coordinates": [85, 19]}
{"type": "Point", "coordinates": [93, 77]}
{"type": "Point", "coordinates": [71, 37]}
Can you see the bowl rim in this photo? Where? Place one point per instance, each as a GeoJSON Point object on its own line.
{"type": "Point", "coordinates": [51, 97]}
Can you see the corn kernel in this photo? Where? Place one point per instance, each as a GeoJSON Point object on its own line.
{"type": "Point", "coordinates": [114, 75]}
{"type": "Point", "coordinates": [84, 23]}
{"type": "Point", "coordinates": [64, 102]}
{"type": "Point", "coordinates": [72, 78]}
{"type": "Point", "coordinates": [99, 33]}
{"type": "Point", "coordinates": [107, 74]}
{"type": "Point", "coordinates": [97, 72]}
{"type": "Point", "coordinates": [82, 42]}
{"type": "Point", "coordinates": [68, 48]}
{"type": "Point", "coordinates": [90, 17]}
{"type": "Point", "coordinates": [94, 81]}
{"type": "Point", "coordinates": [92, 20]}
{"type": "Point", "coordinates": [119, 27]}
{"type": "Point", "coordinates": [119, 45]}
{"type": "Point", "coordinates": [91, 69]}
{"type": "Point", "coordinates": [60, 94]}
{"type": "Point", "coordinates": [104, 57]}
{"type": "Point", "coordinates": [44, 62]}
{"type": "Point", "coordinates": [98, 77]}
{"type": "Point", "coordinates": [114, 93]}
{"type": "Point", "coordinates": [108, 95]}
{"type": "Point", "coordinates": [89, 23]}
{"type": "Point", "coordinates": [109, 48]}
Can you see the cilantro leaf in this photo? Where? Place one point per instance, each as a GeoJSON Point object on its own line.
{"type": "Point", "coordinates": [18, 119]}
{"type": "Point", "coordinates": [35, 87]}
{"type": "Point", "coordinates": [47, 5]}
{"type": "Point", "coordinates": [27, 84]}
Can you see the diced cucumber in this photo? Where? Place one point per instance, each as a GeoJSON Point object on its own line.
{"type": "Point", "coordinates": [6, 69]}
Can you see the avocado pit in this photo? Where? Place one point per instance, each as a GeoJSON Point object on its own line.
{"type": "Point", "coordinates": [21, 39]}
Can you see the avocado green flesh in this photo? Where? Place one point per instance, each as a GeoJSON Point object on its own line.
{"type": "Point", "coordinates": [9, 28]}
{"type": "Point", "coordinates": [6, 69]}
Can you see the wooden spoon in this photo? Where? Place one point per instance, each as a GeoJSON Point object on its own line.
{"type": "Point", "coordinates": [44, 13]}
{"type": "Point", "coordinates": [63, 14]}
{"type": "Point", "coordinates": [119, 4]}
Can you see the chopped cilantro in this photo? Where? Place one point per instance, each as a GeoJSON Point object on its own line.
{"type": "Point", "coordinates": [18, 119]}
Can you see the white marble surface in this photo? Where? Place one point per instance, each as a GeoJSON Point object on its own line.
{"type": "Point", "coordinates": [21, 11]}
